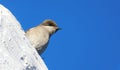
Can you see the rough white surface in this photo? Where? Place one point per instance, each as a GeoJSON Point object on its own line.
{"type": "Point", "coordinates": [16, 53]}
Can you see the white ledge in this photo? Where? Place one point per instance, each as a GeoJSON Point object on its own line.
{"type": "Point", "coordinates": [16, 53]}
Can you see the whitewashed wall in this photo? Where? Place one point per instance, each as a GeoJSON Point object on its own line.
{"type": "Point", "coordinates": [16, 53]}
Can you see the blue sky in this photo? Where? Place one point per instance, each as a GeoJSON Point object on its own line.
{"type": "Point", "coordinates": [90, 35]}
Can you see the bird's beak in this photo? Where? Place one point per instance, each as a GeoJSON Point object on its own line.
{"type": "Point", "coordinates": [57, 29]}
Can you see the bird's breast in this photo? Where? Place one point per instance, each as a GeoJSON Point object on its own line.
{"type": "Point", "coordinates": [38, 38]}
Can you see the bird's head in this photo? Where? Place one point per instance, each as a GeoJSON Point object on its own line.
{"type": "Point", "coordinates": [51, 26]}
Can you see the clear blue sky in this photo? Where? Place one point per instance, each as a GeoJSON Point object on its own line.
{"type": "Point", "coordinates": [90, 35]}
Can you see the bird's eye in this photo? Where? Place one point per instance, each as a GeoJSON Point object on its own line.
{"type": "Point", "coordinates": [50, 24]}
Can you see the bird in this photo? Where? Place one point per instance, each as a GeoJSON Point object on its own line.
{"type": "Point", "coordinates": [40, 35]}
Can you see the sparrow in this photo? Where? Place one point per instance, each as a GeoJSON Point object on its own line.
{"type": "Point", "coordinates": [39, 36]}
